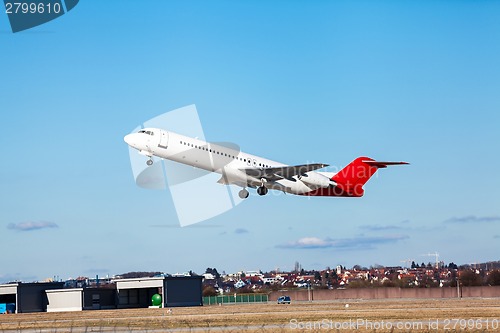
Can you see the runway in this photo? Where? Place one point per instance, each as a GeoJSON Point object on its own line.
{"type": "Point", "coordinates": [471, 315]}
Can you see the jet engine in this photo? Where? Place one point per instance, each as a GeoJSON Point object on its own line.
{"type": "Point", "coordinates": [316, 180]}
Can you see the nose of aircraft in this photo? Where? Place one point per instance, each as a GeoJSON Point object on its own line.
{"type": "Point", "coordinates": [128, 139]}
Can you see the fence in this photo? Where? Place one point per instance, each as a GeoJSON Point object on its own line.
{"type": "Point", "coordinates": [238, 298]}
{"type": "Point", "coordinates": [383, 293]}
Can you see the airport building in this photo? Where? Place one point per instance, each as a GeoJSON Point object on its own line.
{"type": "Point", "coordinates": [121, 293]}
{"type": "Point", "coordinates": [78, 299]}
{"type": "Point", "coordinates": [27, 297]}
{"type": "Point", "coordinates": [174, 291]}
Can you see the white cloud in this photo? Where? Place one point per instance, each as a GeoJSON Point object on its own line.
{"type": "Point", "coordinates": [356, 243]}
{"type": "Point", "coordinates": [473, 219]}
{"type": "Point", "coordinates": [31, 225]}
{"type": "Point", "coordinates": [313, 242]}
{"type": "Point", "coordinates": [378, 227]}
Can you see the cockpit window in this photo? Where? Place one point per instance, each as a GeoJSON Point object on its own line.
{"type": "Point", "coordinates": [146, 132]}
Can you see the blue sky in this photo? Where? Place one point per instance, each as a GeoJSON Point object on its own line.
{"type": "Point", "coordinates": [293, 81]}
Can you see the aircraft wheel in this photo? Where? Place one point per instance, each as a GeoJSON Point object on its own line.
{"type": "Point", "coordinates": [149, 162]}
{"type": "Point", "coordinates": [261, 190]}
{"type": "Point", "coordinates": [243, 194]}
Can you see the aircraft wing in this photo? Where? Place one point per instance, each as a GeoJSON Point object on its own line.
{"type": "Point", "coordinates": [278, 173]}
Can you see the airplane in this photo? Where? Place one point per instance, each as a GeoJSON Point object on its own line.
{"type": "Point", "coordinates": [251, 171]}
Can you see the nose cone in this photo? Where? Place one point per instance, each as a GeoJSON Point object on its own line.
{"type": "Point", "coordinates": [128, 139]}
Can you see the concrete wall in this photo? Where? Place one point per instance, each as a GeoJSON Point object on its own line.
{"type": "Point", "coordinates": [65, 300]}
{"type": "Point", "coordinates": [382, 293]}
{"type": "Point", "coordinates": [139, 283]}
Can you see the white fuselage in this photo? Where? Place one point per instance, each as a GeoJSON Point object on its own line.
{"type": "Point", "coordinates": [229, 162]}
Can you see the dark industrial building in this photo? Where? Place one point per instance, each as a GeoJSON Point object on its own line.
{"type": "Point", "coordinates": [27, 297]}
{"type": "Point", "coordinates": [175, 291]}
{"type": "Point", "coordinates": [122, 293]}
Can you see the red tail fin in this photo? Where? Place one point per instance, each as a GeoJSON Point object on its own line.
{"type": "Point", "coordinates": [354, 175]}
{"type": "Point", "coordinates": [350, 180]}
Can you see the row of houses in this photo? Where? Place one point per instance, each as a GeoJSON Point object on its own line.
{"type": "Point", "coordinates": [340, 277]}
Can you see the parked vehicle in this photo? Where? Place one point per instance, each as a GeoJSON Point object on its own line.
{"type": "Point", "coordinates": [284, 300]}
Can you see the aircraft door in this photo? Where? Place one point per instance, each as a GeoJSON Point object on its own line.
{"type": "Point", "coordinates": [147, 141]}
{"type": "Point", "coordinates": [163, 139]}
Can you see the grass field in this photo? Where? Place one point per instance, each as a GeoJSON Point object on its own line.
{"type": "Point", "coordinates": [448, 315]}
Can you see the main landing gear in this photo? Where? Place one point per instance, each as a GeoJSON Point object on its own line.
{"type": "Point", "coordinates": [262, 190]}
{"type": "Point", "coordinates": [243, 194]}
{"type": "Point", "coordinates": [149, 162]}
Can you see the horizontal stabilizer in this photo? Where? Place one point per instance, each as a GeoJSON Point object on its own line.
{"type": "Point", "coordinates": [379, 164]}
